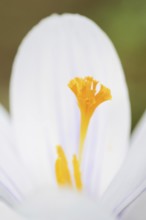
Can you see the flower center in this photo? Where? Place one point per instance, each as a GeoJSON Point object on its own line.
{"type": "Point", "coordinates": [88, 99]}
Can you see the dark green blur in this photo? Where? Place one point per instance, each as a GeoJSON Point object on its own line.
{"type": "Point", "coordinates": [123, 20]}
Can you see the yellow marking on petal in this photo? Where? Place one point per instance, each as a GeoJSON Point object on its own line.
{"type": "Point", "coordinates": [61, 167]}
{"type": "Point", "coordinates": [88, 100]}
{"type": "Point", "coordinates": [77, 173]}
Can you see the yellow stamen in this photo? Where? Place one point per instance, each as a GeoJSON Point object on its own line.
{"type": "Point", "coordinates": [77, 173]}
{"type": "Point", "coordinates": [88, 100]}
{"type": "Point", "coordinates": [62, 171]}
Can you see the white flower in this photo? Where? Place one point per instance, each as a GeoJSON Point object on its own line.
{"type": "Point", "coordinates": [45, 114]}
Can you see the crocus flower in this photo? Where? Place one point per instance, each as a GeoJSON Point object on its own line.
{"type": "Point", "coordinates": [68, 131]}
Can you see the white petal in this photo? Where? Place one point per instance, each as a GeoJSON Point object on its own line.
{"type": "Point", "coordinates": [130, 182]}
{"type": "Point", "coordinates": [43, 109]}
{"type": "Point", "coordinates": [6, 213]}
{"type": "Point", "coordinates": [139, 135]}
{"type": "Point", "coordinates": [14, 180]}
{"type": "Point", "coordinates": [137, 210]}
{"type": "Point", "coordinates": [62, 205]}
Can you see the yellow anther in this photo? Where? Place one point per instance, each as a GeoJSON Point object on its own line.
{"type": "Point", "coordinates": [77, 173]}
{"type": "Point", "coordinates": [61, 167]}
{"type": "Point", "coordinates": [88, 100]}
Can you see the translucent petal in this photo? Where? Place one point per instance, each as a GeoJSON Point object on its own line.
{"type": "Point", "coordinates": [130, 183]}
{"type": "Point", "coordinates": [62, 205]}
{"type": "Point", "coordinates": [138, 136]}
{"type": "Point", "coordinates": [136, 210]}
{"type": "Point", "coordinates": [44, 110]}
{"type": "Point", "coordinates": [14, 180]}
{"type": "Point", "coordinates": [6, 213]}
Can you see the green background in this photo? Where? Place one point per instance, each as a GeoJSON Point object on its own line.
{"type": "Point", "coordinates": [123, 20]}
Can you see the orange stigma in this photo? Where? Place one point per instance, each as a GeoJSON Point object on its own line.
{"type": "Point", "coordinates": [88, 100]}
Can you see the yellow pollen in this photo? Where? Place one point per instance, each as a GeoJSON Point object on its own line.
{"type": "Point", "coordinates": [77, 173]}
{"type": "Point", "coordinates": [61, 167]}
{"type": "Point", "coordinates": [63, 176]}
{"type": "Point", "coordinates": [88, 100]}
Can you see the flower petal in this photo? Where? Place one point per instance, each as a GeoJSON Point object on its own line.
{"type": "Point", "coordinates": [45, 112]}
{"type": "Point", "coordinates": [6, 213]}
{"type": "Point", "coordinates": [63, 205]}
{"type": "Point", "coordinates": [130, 183]}
{"type": "Point", "coordinates": [138, 136]}
{"type": "Point", "coordinates": [14, 180]}
{"type": "Point", "coordinates": [136, 210]}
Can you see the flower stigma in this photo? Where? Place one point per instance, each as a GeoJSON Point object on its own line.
{"type": "Point", "coordinates": [88, 99]}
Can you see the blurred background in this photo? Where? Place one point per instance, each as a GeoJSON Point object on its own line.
{"type": "Point", "coordinates": [123, 20]}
